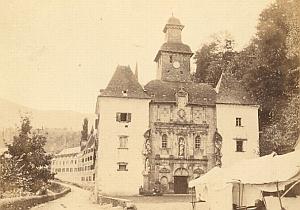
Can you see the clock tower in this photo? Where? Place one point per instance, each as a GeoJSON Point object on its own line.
{"type": "Point", "coordinates": [173, 58]}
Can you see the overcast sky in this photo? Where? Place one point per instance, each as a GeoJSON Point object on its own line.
{"type": "Point", "coordinates": [57, 54]}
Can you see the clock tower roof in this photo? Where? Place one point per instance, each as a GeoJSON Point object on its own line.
{"type": "Point", "coordinates": [174, 48]}
{"type": "Point", "coordinates": [173, 57]}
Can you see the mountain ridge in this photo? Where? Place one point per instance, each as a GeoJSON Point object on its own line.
{"type": "Point", "coordinates": [10, 113]}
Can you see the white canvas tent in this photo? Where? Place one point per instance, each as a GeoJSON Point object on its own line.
{"type": "Point", "coordinates": [243, 183]}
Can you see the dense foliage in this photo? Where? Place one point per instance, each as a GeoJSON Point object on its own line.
{"type": "Point", "coordinates": [269, 68]}
{"type": "Point", "coordinates": [85, 131]}
{"type": "Point", "coordinates": [25, 166]}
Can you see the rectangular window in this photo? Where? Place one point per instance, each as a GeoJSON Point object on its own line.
{"type": "Point", "coordinates": [122, 166]}
{"type": "Point", "coordinates": [239, 146]}
{"type": "Point", "coordinates": [238, 121]}
{"type": "Point", "coordinates": [123, 141]}
{"type": "Point", "coordinates": [123, 117]}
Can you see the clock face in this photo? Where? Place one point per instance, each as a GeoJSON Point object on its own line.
{"type": "Point", "coordinates": [176, 64]}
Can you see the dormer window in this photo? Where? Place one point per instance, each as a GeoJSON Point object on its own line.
{"type": "Point", "coordinates": [124, 92]}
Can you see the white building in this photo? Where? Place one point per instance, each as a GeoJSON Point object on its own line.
{"type": "Point", "coordinates": [77, 164]}
{"type": "Point", "coordinates": [65, 165]}
{"type": "Point", "coordinates": [123, 110]}
{"type": "Point", "coordinates": [174, 129]}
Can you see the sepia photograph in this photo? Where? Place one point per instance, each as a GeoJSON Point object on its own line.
{"type": "Point", "coordinates": [150, 105]}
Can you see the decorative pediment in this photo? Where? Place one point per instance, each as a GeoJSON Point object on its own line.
{"type": "Point", "coordinates": [181, 98]}
{"type": "Point", "coordinates": [164, 170]}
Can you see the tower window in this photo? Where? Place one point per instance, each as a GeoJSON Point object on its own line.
{"type": "Point", "coordinates": [123, 117]}
{"type": "Point", "coordinates": [171, 59]}
{"type": "Point", "coordinates": [164, 141]}
{"type": "Point", "coordinates": [197, 142]}
{"type": "Point", "coordinates": [238, 121]}
{"type": "Point", "coordinates": [239, 146]}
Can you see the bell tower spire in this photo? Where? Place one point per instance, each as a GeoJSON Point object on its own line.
{"type": "Point", "coordinates": [173, 30]}
{"type": "Point", "coordinates": [173, 57]}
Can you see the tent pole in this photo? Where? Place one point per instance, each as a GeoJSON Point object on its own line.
{"type": "Point", "coordinates": [290, 188]}
{"type": "Point", "coordinates": [279, 196]}
{"type": "Point", "coordinates": [239, 194]}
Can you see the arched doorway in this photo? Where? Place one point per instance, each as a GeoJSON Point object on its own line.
{"type": "Point", "coordinates": [181, 181]}
{"type": "Point", "coordinates": [164, 184]}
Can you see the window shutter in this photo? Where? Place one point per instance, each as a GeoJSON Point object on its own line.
{"type": "Point", "coordinates": [128, 117]}
{"type": "Point", "coordinates": [118, 117]}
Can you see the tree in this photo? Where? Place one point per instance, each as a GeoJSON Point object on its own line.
{"type": "Point", "coordinates": [281, 134]}
{"type": "Point", "coordinates": [26, 165]}
{"type": "Point", "coordinates": [212, 58]}
{"type": "Point", "coordinates": [84, 132]}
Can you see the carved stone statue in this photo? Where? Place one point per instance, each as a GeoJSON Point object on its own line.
{"type": "Point", "coordinates": [181, 147]}
{"type": "Point", "coordinates": [147, 144]}
{"type": "Point", "coordinates": [147, 165]}
{"type": "Point", "coordinates": [147, 147]}
{"type": "Point", "coordinates": [218, 147]}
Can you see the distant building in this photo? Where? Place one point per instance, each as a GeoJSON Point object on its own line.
{"type": "Point", "coordinates": [77, 165]}
{"type": "Point", "coordinates": [173, 129]}
{"type": "Point", "coordinates": [65, 164]}
{"type": "Point", "coordinates": [86, 162]}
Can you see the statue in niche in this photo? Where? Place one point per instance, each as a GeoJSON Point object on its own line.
{"type": "Point", "coordinates": [147, 144]}
{"type": "Point", "coordinates": [147, 165]}
{"type": "Point", "coordinates": [181, 147]}
{"type": "Point", "coordinates": [147, 147]}
{"type": "Point", "coordinates": [218, 147]}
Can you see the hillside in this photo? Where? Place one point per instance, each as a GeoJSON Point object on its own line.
{"type": "Point", "coordinates": [10, 116]}
{"type": "Point", "coordinates": [62, 127]}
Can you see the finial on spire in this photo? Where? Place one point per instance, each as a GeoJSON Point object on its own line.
{"type": "Point", "coordinates": [136, 72]}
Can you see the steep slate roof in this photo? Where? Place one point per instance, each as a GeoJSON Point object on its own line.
{"type": "Point", "coordinates": [231, 91]}
{"type": "Point", "coordinates": [124, 80]}
{"type": "Point", "coordinates": [90, 142]}
{"type": "Point", "coordinates": [198, 93]}
{"type": "Point", "coordinates": [174, 47]}
{"type": "Point", "coordinates": [69, 151]}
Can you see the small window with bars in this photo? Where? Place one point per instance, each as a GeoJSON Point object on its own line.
{"type": "Point", "coordinates": [197, 142]}
{"type": "Point", "coordinates": [164, 141]}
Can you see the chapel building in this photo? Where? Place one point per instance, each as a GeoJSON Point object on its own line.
{"type": "Point", "coordinates": [172, 130]}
